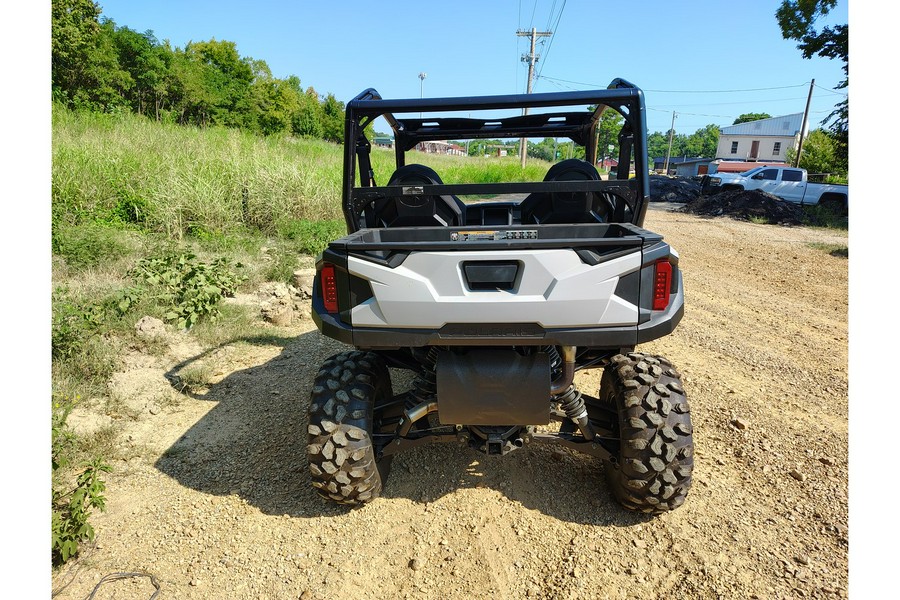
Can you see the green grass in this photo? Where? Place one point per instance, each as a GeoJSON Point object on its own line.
{"type": "Point", "coordinates": [126, 171]}
{"type": "Point", "coordinates": [838, 250]}
{"type": "Point", "coordinates": [825, 216]}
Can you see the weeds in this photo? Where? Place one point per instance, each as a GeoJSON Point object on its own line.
{"type": "Point", "coordinates": [189, 289]}
{"type": "Point", "coordinates": [126, 170]}
{"type": "Point", "coordinates": [194, 378]}
{"type": "Point", "coordinates": [838, 250]}
{"type": "Point", "coordinates": [86, 245]}
{"type": "Point", "coordinates": [825, 216]}
{"type": "Point", "coordinates": [282, 264]}
{"type": "Point", "coordinates": [311, 237]}
{"type": "Point", "coordinates": [72, 508]}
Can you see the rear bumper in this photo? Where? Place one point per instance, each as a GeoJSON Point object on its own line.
{"type": "Point", "coordinates": [661, 323]}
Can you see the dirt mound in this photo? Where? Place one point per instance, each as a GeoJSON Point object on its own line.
{"type": "Point", "coordinates": [747, 205]}
{"type": "Point", "coordinates": [673, 189]}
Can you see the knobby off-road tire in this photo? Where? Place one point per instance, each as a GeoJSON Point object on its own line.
{"type": "Point", "coordinates": [341, 457]}
{"type": "Point", "coordinates": [652, 471]}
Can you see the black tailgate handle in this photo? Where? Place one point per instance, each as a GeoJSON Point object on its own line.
{"type": "Point", "coordinates": [491, 274]}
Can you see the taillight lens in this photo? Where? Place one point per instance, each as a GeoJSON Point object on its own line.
{"type": "Point", "coordinates": [329, 288]}
{"type": "Point", "coordinates": [662, 283]}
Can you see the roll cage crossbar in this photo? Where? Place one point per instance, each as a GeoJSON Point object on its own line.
{"type": "Point", "coordinates": [577, 124]}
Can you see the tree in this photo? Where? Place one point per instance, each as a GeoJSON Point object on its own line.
{"type": "Point", "coordinates": [85, 70]}
{"type": "Point", "coordinates": [657, 143]}
{"type": "Point", "coordinates": [703, 142]}
{"type": "Point", "coordinates": [797, 19]}
{"type": "Point", "coordinates": [748, 117]}
{"type": "Point", "coordinates": [139, 55]}
{"type": "Point", "coordinates": [333, 119]}
{"type": "Point", "coordinates": [191, 98]}
{"type": "Point", "coordinates": [225, 78]}
{"type": "Point", "coordinates": [307, 121]}
{"type": "Point", "coordinates": [608, 134]}
{"type": "Point", "coordinates": [74, 29]}
{"type": "Point", "coordinates": [819, 153]}
{"type": "Point", "coordinates": [544, 149]}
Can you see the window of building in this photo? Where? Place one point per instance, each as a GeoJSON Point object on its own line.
{"type": "Point", "coordinates": [791, 175]}
{"type": "Point", "coordinates": [770, 174]}
{"type": "Point", "coordinates": [777, 149]}
{"type": "Point", "coordinates": [734, 147]}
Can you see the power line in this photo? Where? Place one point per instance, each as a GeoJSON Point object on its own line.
{"type": "Point", "coordinates": [734, 103]}
{"type": "Point", "coordinates": [690, 114]}
{"type": "Point", "coordinates": [552, 37]}
{"type": "Point", "coordinates": [830, 91]}
{"type": "Point", "coordinates": [550, 17]}
{"type": "Point", "coordinates": [595, 85]}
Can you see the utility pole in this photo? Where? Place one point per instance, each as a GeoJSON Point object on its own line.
{"type": "Point", "coordinates": [669, 151]}
{"type": "Point", "coordinates": [803, 124]}
{"type": "Point", "coordinates": [530, 58]}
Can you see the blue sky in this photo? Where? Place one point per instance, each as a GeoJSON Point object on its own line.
{"type": "Point", "coordinates": [689, 57]}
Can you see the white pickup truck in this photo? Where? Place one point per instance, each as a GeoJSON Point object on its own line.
{"type": "Point", "coordinates": [787, 183]}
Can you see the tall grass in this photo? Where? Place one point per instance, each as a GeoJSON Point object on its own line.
{"type": "Point", "coordinates": [125, 170]}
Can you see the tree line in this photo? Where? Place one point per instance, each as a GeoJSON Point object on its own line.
{"type": "Point", "coordinates": [99, 65]}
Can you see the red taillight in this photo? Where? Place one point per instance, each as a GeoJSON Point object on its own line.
{"type": "Point", "coordinates": [662, 283]}
{"type": "Point", "coordinates": [329, 288]}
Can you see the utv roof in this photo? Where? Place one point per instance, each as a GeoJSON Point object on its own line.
{"type": "Point", "coordinates": [576, 123]}
{"type": "Point", "coordinates": [416, 120]}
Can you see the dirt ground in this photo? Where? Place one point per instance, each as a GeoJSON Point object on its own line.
{"type": "Point", "coordinates": [214, 497]}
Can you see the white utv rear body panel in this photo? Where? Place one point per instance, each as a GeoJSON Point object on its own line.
{"type": "Point", "coordinates": [553, 288]}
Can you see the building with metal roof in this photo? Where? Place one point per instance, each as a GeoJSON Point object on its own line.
{"type": "Point", "coordinates": [764, 140]}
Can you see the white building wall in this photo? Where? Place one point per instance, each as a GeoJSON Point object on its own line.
{"type": "Point", "coordinates": [745, 144]}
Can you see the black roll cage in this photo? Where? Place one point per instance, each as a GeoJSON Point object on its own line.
{"type": "Point", "coordinates": [578, 125]}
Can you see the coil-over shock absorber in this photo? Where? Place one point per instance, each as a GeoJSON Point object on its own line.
{"type": "Point", "coordinates": [565, 393]}
{"type": "Point", "coordinates": [571, 403]}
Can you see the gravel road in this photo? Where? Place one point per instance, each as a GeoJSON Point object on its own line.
{"type": "Point", "coordinates": [213, 496]}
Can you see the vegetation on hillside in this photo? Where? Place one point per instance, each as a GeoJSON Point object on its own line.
{"type": "Point", "coordinates": [101, 66]}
